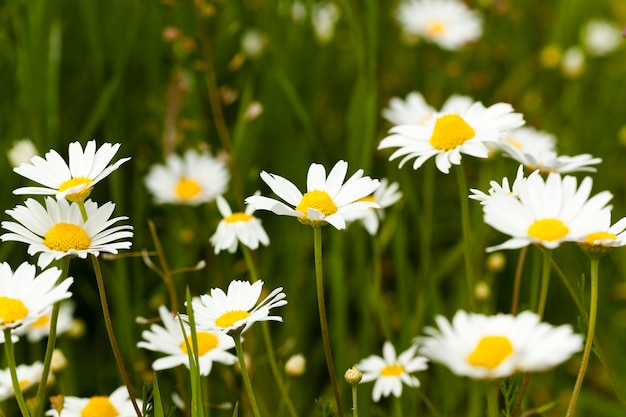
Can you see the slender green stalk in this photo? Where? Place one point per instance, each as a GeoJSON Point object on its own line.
{"type": "Point", "coordinates": [244, 372]}
{"type": "Point", "coordinates": [109, 327]}
{"type": "Point", "coordinates": [593, 311]}
{"type": "Point", "coordinates": [317, 242]}
{"type": "Point", "coordinates": [10, 354]}
{"type": "Point", "coordinates": [545, 281]}
{"type": "Point", "coordinates": [518, 279]}
{"type": "Point", "coordinates": [355, 403]}
{"type": "Point", "coordinates": [467, 243]}
{"type": "Point", "coordinates": [492, 391]}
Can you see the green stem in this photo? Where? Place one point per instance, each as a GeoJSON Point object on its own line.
{"type": "Point", "coordinates": [355, 403]}
{"type": "Point", "coordinates": [492, 392]}
{"type": "Point", "coordinates": [465, 223]}
{"type": "Point", "coordinates": [545, 282]}
{"type": "Point", "coordinates": [109, 327]}
{"type": "Point", "coordinates": [10, 354]}
{"type": "Point", "coordinates": [593, 311]}
{"type": "Point", "coordinates": [317, 242]}
{"type": "Point", "coordinates": [244, 373]}
{"type": "Point", "coordinates": [518, 279]}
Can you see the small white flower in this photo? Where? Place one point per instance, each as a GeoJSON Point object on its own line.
{"type": "Point", "coordinates": [40, 328]}
{"type": "Point", "coordinates": [27, 375]}
{"type": "Point", "coordinates": [118, 404]}
{"type": "Point", "coordinates": [324, 17]}
{"type": "Point", "coordinates": [22, 152]}
{"type": "Point", "coordinates": [500, 188]}
{"type": "Point", "coordinates": [573, 62]}
{"type": "Point", "coordinates": [390, 371]}
{"type": "Point", "coordinates": [253, 43]}
{"type": "Point", "coordinates": [412, 110]}
{"type": "Point", "coordinates": [604, 234]}
{"type": "Point", "coordinates": [235, 228]}
{"type": "Point", "coordinates": [385, 196]}
{"type": "Point", "coordinates": [601, 37]}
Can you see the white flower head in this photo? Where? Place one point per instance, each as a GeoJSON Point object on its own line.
{"type": "Point", "coordinates": [385, 196]}
{"type": "Point", "coordinates": [22, 152]}
{"type": "Point", "coordinates": [601, 37]}
{"type": "Point", "coordinates": [191, 179]}
{"type": "Point", "coordinates": [169, 339]}
{"type": "Point", "coordinates": [40, 328]}
{"type": "Point", "coordinates": [27, 375]}
{"type": "Point", "coordinates": [391, 371]}
{"type": "Point", "coordinates": [74, 180]}
{"type": "Point", "coordinates": [487, 347]}
{"type": "Point", "coordinates": [239, 227]}
{"type": "Point", "coordinates": [605, 234]}
{"type": "Point", "coordinates": [117, 404]}
{"type": "Point", "coordinates": [412, 110]}
{"type": "Point", "coordinates": [496, 188]}
{"type": "Point", "coordinates": [58, 229]}
{"type": "Point", "coordinates": [327, 200]}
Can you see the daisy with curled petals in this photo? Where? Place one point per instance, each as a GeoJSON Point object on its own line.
{"type": "Point", "coordinates": [327, 200]}
{"type": "Point", "coordinates": [27, 375]}
{"type": "Point", "coordinates": [73, 181]}
{"type": "Point", "coordinates": [191, 179]}
{"type": "Point", "coordinates": [496, 188]}
{"type": "Point", "coordinates": [447, 135]}
{"type": "Point", "coordinates": [169, 339]}
{"type": "Point", "coordinates": [390, 371]}
{"type": "Point", "coordinates": [237, 227]}
{"type": "Point", "coordinates": [545, 212]}
{"type": "Point", "coordinates": [385, 196]}
{"type": "Point", "coordinates": [487, 347]}
{"type": "Point", "coordinates": [26, 296]}
{"type": "Point", "coordinates": [236, 309]}
{"type": "Point", "coordinates": [58, 229]}
{"type": "Point", "coordinates": [118, 404]}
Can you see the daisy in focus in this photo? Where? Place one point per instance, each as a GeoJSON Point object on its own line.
{"type": "Point", "coordinates": [545, 212]}
{"type": "Point", "coordinates": [40, 328]}
{"type": "Point", "coordinates": [327, 200]}
{"type": "Point", "coordinates": [238, 308]}
{"type": "Point", "coordinates": [390, 371]}
{"type": "Point", "coordinates": [235, 228]}
{"type": "Point", "coordinates": [450, 24]}
{"type": "Point", "coordinates": [118, 404]}
{"type": "Point", "coordinates": [496, 188]}
{"type": "Point", "coordinates": [486, 347]}
{"type": "Point", "coordinates": [385, 196]}
{"type": "Point", "coordinates": [28, 376]}
{"type": "Point", "coordinates": [169, 339]}
{"type": "Point", "coordinates": [26, 296]}
{"type": "Point", "coordinates": [58, 229]}
{"type": "Point", "coordinates": [74, 180]}
{"type": "Point", "coordinates": [193, 179]}
{"type": "Point", "coordinates": [448, 135]}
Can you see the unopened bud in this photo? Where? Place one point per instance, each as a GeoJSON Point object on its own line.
{"type": "Point", "coordinates": [295, 365]}
{"type": "Point", "coordinates": [353, 376]}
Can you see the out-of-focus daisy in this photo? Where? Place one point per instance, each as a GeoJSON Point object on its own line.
{"type": "Point", "coordinates": [40, 328]}
{"type": "Point", "coordinates": [573, 62]}
{"type": "Point", "coordinates": [500, 188]}
{"type": "Point", "coordinates": [237, 227]}
{"type": "Point", "coordinates": [26, 296]}
{"type": "Point", "coordinates": [327, 200]}
{"type": "Point", "coordinates": [118, 404]}
{"type": "Point", "coordinates": [193, 179]}
{"type": "Point", "coordinates": [385, 196]}
{"type": "Point", "coordinates": [73, 181]}
{"type": "Point", "coordinates": [236, 308]}
{"type": "Point", "coordinates": [253, 43]}
{"type": "Point", "coordinates": [601, 37]}
{"type": "Point", "coordinates": [22, 152]}
{"type": "Point", "coordinates": [324, 17]}
{"type": "Point", "coordinates": [448, 23]}
{"type": "Point", "coordinates": [605, 236]}
{"type": "Point", "coordinates": [390, 371]}
{"type": "Point", "coordinates": [169, 339]}
{"type": "Point", "coordinates": [58, 229]}
{"type": "Point", "coordinates": [545, 212]}
{"type": "Point", "coordinates": [447, 135]}
{"type": "Point", "coordinates": [486, 347]}
{"type": "Point", "coordinates": [27, 375]}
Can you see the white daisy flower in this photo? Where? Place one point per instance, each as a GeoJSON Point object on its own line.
{"type": "Point", "coordinates": [238, 307]}
{"type": "Point", "coordinates": [487, 347]}
{"type": "Point", "coordinates": [26, 296]}
{"type": "Point", "coordinates": [390, 371]}
{"type": "Point", "coordinates": [193, 179]}
{"type": "Point", "coordinates": [58, 229]}
{"type": "Point", "coordinates": [412, 110]}
{"type": "Point", "coordinates": [73, 181]}
{"type": "Point", "coordinates": [500, 188]}
{"type": "Point", "coordinates": [546, 212]}
{"type": "Point", "coordinates": [40, 328]}
{"type": "Point", "coordinates": [28, 376]}
{"type": "Point", "coordinates": [118, 404]}
{"type": "Point", "coordinates": [237, 227]}
{"type": "Point", "coordinates": [385, 196]}
{"type": "Point", "coordinates": [601, 37]}
{"type": "Point", "coordinates": [169, 339]}
{"type": "Point", "coordinates": [448, 23]}
{"type": "Point", "coordinates": [605, 236]}
{"type": "Point", "coordinates": [447, 135]}
{"type": "Point", "coordinates": [22, 151]}
{"type": "Point", "coordinates": [327, 200]}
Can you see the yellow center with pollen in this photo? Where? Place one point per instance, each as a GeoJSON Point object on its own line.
{"type": "Point", "coordinates": [79, 195]}
{"type": "Point", "coordinates": [548, 229]}
{"type": "Point", "coordinates": [187, 188]}
{"type": "Point", "coordinates": [450, 131]}
{"type": "Point", "coordinates": [231, 317]}
{"type": "Point", "coordinates": [99, 406]}
{"type": "Point", "coordinates": [238, 217]}
{"type": "Point", "coordinates": [592, 237]}
{"type": "Point", "coordinates": [11, 310]}
{"type": "Point", "coordinates": [435, 28]}
{"type": "Point", "coordinates": [490, 352]}
{"type": "Point", "coordinates": [392, 370]}
{"type": "Point", "coordinates": [41, 322]}
{"type": "Point", "coordinates": [63, 237]}
{"type": "Point", "coordinates": [206, 342]}
{"type": "Point", "coordinates": [316, 199]}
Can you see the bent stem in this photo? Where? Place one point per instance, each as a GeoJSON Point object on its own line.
{"type": "Point", "coordinates": [10, 354]}
{"type": "Point", "coordinates": [109, 327]}
{"type": "Point", "coordinates": [317, 242]}
{"type": "Point", "coordinates": [236, 335]}
{"type": "Point", "coordinates": [467, 244]}
{"type": "Point", "coordinates": [593, 310]}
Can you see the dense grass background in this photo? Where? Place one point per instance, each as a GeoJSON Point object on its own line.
{"type": "Point", "coordinates": [77, 70]}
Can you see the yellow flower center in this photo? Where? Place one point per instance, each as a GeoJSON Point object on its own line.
{"type": "Point", "coordinates": [41, 322]}
{"type": "Point", "coordinates": [24, 383]}
{"type": "Point", "coordinates": [392, 370]}
{"type": "Point", "coordinates": [206, 342]}
{"type": "Point", "coordinates": [514, 143]}
{"type": "Point", "coordinates": [229, 318]}
{"type": "Point", "coordinates": [368, 199]}
{"type": "Point", "coordinates": [316, 199]}
{"type": "Point", "coordinates": [238, 217]}
{"type": "Point", "coordinates": [65, 236]}
{"type": "Point", "coordinates": [11, 310]}
{"type": "Point", "coordinates": [73, 182]}
{"type": "Point", "coordinates": [99, 406]}
{"type": "Point", "coordinates": [187, 188]}
{"type": "Point", "coordinates": [548, 229]}
{"type": "Point", "coordinates": [450, 131]}
{"type": "Point", "coordinates": [490, 352]}
{"type": "Point", "coordinates": [435, 28]}
{"type": "Point", "coordinates": [592, 237]}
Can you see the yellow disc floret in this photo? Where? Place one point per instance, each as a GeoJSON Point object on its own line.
{"type": "Point", "coordinates": [238, 217]}
{"type": "Point", "coordinates": [318, 200]}
{"type": "Point", "coordinates": [490, 352]}
{"type": "Point", "coordinates": [206, 342]}
{"type": "Point", "coordinates": [99, 406]}
{"type": "Point", "coordinates": [231, 317]}
{"type": "Point", "coordinates": [548, 229]}
{"type": "Point", "coordinates": [11, 310]}
{"type": "Point", "coordinates": [392, 370]}
{"type": "Point", "coordinates": [74, 182]}
{"type": "Point", "coordinates": [64, 237]}
{"type": "Point", "coordinates": [450, 131]}
{"type": "Point", "coordinates": [187, 188]}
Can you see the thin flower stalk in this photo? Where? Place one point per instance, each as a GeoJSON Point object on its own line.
{"type": "Point", "coordinates": [465, 224]}
{"type": "Point", "coordinates": [244, 372]}
{"type": "Point", "coordinates": [10, 356]}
